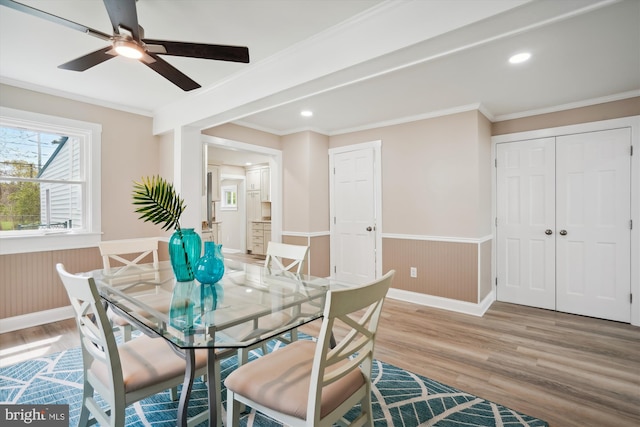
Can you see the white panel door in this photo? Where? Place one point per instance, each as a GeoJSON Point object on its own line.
{"type": "Point", "coordinates": [353, 242]}
{"type": "Point", "coordinates": [525, 222]}
{"type": "Point", "coordinates": [593, 216]}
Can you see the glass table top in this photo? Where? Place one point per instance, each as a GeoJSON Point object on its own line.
{"type": "Point", "coordinates": [249, 304]}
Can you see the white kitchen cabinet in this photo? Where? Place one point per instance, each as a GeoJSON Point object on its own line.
{"type": "Point", "coordinates": [253, 179]}
{"type": "Point", "coordinates": [259, 178]}
{"type": "Point", "coordinates": [258, 208]}
{"type": "Point", "coordinates": [260, 237]}
{"type": "Point", "coordinates": [254, 213]}
{"type": "Point", "coordinates": [265, 184]}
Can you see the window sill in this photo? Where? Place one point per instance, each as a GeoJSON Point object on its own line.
{"type": "Point", "coordinates": [47, 242]}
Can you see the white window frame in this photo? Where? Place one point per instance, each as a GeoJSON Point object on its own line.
{"type": "Point", "coordinates": [89, 236]}
{"type": "Point", "coordinates": [223, 197]}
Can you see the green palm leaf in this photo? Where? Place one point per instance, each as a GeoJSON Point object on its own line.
{"type": "Point", "coordinates": [158, 202]}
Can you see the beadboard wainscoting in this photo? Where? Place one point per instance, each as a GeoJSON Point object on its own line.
{"type": "Point", "coordinates": [318, 262]}
{"type": "Point", "coordinates": [31, 292]}
{"type": "Point", "coordinates": [451, 273]}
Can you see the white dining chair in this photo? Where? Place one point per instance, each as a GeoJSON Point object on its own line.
{"type": "Point", "coordinates": [286, 257]}
{"type": "Point", "coordinates": [125, 257]}
{"type": "Point", "coordinates": [121, 374]}
{"type": "Point", "coordinates": [309, 383]}
{"type": "Point", "coordinates": [281, 257]}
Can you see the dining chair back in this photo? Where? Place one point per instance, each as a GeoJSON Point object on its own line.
{"type": "Point", "coordinates": [120, 374]}
{"type": "Point", "coordinates": [309, 383]}
{"type": "Point", "coordinates": [283, 256]}
{"type": "Point", "coordinates": [124, 257]}
{"type": "Point", "coordinates": [115, 250]}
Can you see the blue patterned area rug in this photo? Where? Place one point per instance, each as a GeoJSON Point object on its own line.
{"type": "Point", "coordinates": [400, 398]}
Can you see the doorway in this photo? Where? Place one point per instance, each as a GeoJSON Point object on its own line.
{"type": "Point", "coordinates": [234, 156]}
{"type": "Point", "coordinates": [355, 212]}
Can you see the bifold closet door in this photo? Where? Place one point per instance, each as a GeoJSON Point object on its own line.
{"type": "Point", "coordinates": [593, 238]}
{"type": "Point", "coordinates": [526, 222]}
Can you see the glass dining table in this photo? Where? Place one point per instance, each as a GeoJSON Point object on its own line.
{"type": "Point", "coordinates": [250, 305]}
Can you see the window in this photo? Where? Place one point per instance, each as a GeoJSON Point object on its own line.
{"type": "Point", "coordinates": [229, 199]}
{"type": "Point", "coordinates": [49, 182]}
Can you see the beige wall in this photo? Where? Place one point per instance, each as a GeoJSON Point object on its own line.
{"type": "Point", "coordinates": [318, 182]}
{"type": "Point", "coordinates": [295, 183]}
{"type": "Point", "coordinates": [436, 185]}
{"type": "Point", "coordinates": [305, 182]}
{"type": "Point", "coordinates": [435, 174]}
{"type": "Point", "coordinates": [485, 165]}
{"type": "Point", "coordinates": [129, 151]}
{"type": "Point", "coordinates": [593, 113]}
{"type": "Point", "coordinates": [244, 134]}
{"type": "Point", "coordinates": [432, 175]}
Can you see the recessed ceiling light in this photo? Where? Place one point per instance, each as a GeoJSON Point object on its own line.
{"type": "Point", "coordinates": [520, 57]}
{"type": "Point", "coordinates": [306, 113]}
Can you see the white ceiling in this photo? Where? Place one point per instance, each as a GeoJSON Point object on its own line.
{"type": "Point", "coordinates": [451, 56]}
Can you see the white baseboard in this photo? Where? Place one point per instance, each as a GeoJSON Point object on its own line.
{"type": "Point", "coordinates": [231, 251]}
{"type": "Point", "coordinates": [35, 319]}
{"type": "Point", "coordinates": [444, 303]}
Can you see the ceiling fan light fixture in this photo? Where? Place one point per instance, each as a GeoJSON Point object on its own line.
{"type": "Point", "coordinates": [128, 49]}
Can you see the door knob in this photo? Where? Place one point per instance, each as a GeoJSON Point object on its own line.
{"type": "Point", "coordinates": [548, 232]}
{"type": "Point", "coordinates": [563, 232]}
{"type": "Point", "coordinates": [369, 228]}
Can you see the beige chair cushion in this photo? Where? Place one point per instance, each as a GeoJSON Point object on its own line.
{"type": "Point", "coordinates": [280, 381]}
{"type": "Point", "coordinates": [146, 361]}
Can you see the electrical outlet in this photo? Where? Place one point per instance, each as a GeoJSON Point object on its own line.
{"type": "Point", "coordinates": [413, 272]}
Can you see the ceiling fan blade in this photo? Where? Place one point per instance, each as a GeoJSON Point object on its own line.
{"type": "Point", "coordinates": [199, 50]}
{"type": "Point", "coordinates": [123, 13]}
{"type": "Point", "coordinates": [55, 19]}
{"type": "Point", "coordinates": [89, 60]}
{"type": "Point", "coordinates": [171, 73]}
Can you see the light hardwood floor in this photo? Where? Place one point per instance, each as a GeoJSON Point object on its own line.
{"type": "Point", "coordinates": [568, 370]}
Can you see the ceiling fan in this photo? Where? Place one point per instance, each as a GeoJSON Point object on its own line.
{"type": "Point", "coordinates": [128, 40]}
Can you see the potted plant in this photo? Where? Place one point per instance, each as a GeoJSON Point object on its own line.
{"type": "Point", "coordinates": [159, 203]}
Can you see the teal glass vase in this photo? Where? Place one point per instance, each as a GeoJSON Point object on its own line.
{"type": "Point", "coordinates": [185, 247]}
{"type": "Point", "coordinates": [181, 311]}
{"type": "Point", "coordinates": [210, 267]}
{"type": "Point", "coordinates": [206, 298]}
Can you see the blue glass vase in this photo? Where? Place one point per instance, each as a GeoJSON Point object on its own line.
{"type": "Point", "coordinates": [181, 311]}
{"type": "Point", "coordinates": [206, 298]}
{"type": "Point", "coordinates": [210, 267]}
{"type": "Point", "coordinates": [185, 246]}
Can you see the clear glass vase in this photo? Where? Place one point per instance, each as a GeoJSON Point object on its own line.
{"type": "Point", "coordinates": [185, 247]}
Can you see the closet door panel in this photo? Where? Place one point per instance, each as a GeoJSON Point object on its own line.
{"type": "Point", "coordinates": [526, 210]}
{"type": "Point", "coordinates": [593, 239]}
